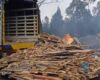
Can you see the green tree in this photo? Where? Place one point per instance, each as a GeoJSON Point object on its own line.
{"type": "Point", "coordinates": [46, 25]}
{"type": "Point", "coordinates": [80, 18]}
{"type": "Point", "coordinates": [56, 25]}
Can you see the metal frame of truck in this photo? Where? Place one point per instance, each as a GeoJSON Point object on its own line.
{"type": "Point", "coordinates": [16, 30]}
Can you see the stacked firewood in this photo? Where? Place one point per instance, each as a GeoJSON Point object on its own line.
{"type": "Point", "coordinates": [51, 59]}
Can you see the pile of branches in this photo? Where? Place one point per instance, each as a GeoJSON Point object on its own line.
{"type": "Point", "coordinates": [51, 59]}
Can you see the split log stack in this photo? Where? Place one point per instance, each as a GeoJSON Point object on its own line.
{"type": "Point", "coordinates": [51, 59]}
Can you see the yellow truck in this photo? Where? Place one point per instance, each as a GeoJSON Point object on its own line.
{"type": "Point", "coordinates": [19, 23]}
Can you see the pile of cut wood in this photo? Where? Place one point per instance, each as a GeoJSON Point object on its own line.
{"type": "Point", "coordinates": [51, 59]}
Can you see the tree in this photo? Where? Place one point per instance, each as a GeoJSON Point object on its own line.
{"type": "Point", "coordinates": [56, 25]}
{"type": "Point", "coordinates": [46, 25]}
{"type": "Point", "coordinates": [97, 18]}
{"type": "Point", "coordinates": [80, 18]}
